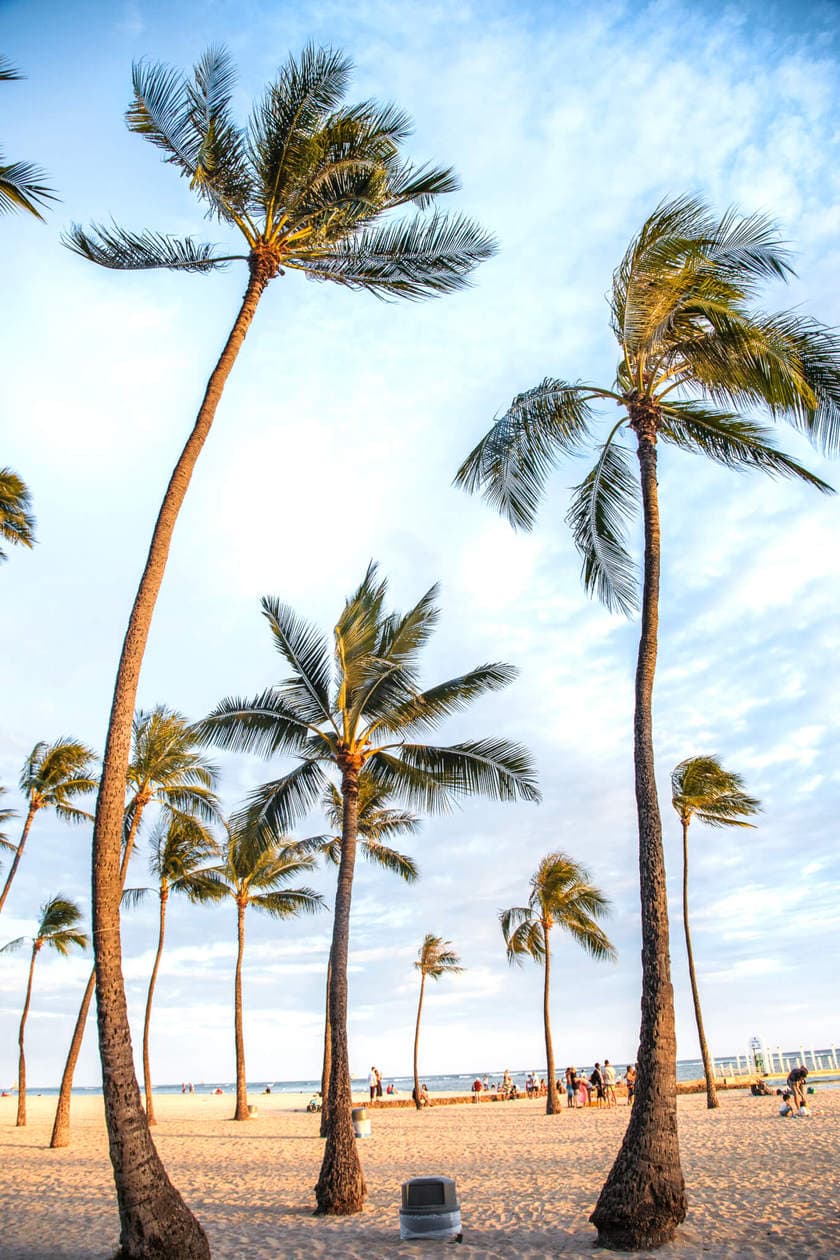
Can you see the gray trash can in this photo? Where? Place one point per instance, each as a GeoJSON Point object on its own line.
{"type": "Point", "coordinates": [361, 1124]}
{"type": "Point", "coordinates": [430, 1209]}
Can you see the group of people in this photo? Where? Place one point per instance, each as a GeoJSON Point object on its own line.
{"type": "Point", "coordinates": [375, 1083]}
{"type": "Point", "coordinates": [507, 1087]}
{"type": "Point", "coordinates": [598, 1087]}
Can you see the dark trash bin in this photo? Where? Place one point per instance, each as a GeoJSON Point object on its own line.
{"type": "Point", "coordinates": [430, 1209]}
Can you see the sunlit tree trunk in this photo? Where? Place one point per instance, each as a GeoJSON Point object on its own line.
{"type": "Point", "coordinates": [147, 1067]}
{"type": "Point", "coordinates": [708, 1071]}
{"type": "Point", "coordinates": [154, 1218]}
{"type": "Point", "coordinates": [61, 1124]}
{"type": "Point", "coordinates": [643, 1200]}
{"type": "Point", "coordinates": [241, 1112]}
{"type": "Point", "coordinates": [551, 1104]}
{"type": "Point", "coordinates": [417, 1102]}
{"type": "Point", "coordinates": [33, 809]}
{"type": "Point", "coordinates": [21, 1104]}
{"type": "Point", "coordinates": [341, 1186]}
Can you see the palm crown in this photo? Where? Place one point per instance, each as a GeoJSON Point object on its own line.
{"type": "Point", "coordinates": [436, 958]}
{"type": "Point", "coordinates": [563, 896]}
{"type": "Point", "coordinates": [168, 766]}
{"type": "Point", "coordinates": [695, 355]}
{"type": "Point", "coordinates": [55, 775]}
{"type": "Point", "coordinates": [57, 928]}
{"type": "Point", "coordinates": [17, 524]}
{"type": "Point", "coordinates": [253, 874]}
{"type": "Point", "coordinates": [180, 850]}
{"type": "Point", "coordinates": [362, 710]}
{"type": "Point", "coordinates": [701, 788]}
{"type": "Point", "coordinates": [303, 182]}
{"type": "Point", "coordinates": [20, 182]}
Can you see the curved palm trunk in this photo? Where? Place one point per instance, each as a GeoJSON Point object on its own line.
{"type": "Point", "coordinates": [326, 1067]}
{"type": "Point", "coordinates": [241, 1112]}
{"type": "Point", "coordinates": [21, 1106]}
{"type": "Point", "coordinates": [417, 1041]}
{"type": "Point", "coordinates": [341, 1185]}
{"type": "Point", "coordinates": [61, 1124]}
{"type": "Point", "coordinates": [711, 1092]}
{"type": "Point", "coordinates": [153, 1217]}
{"type": "Point", "coordinates": [33, 809]}
{"type": "Point", "coordinates": [643, 1199]}
{"type": "Point", "coordinates": [551, 1104]}
{"type": "Point", "coordinates": [147, 1069]}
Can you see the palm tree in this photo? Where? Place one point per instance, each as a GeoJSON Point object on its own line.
{"type": "Point", "coordinates": [362, 715]}
{"type": "Point", "coordinates": [57, 930]}
{"type": "Point", "coordinates": [54, 777]}
{"type": "Point", "coordinates": [20, 186]}
{"type": "Point", "coordinates": [167, 768]}
{"type": "Point", "coordinates": [562, 895]}
{"type": "Point", "coordinates": [253, 874]}
{"type": "Point", "coordinates": [376, 822]}
{"type": "Point", "coordinates": [17, 524]}
{"type": "Point", "coordinates": [306, 186]}
{"type": "Point", "coordinates": [701, 788]}
{"type": "Point", "coordinates": [695, 356]}
{"type": "Point", "coordinates": [435, 959]}
{"type": "Point", "coordinates": [179, 851]}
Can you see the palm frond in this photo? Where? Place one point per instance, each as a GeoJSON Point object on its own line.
{"type": "Point", "coordinates": [133, 897]}
{"type": "Point", "coordinates": [496, 768]}
{"type": "Point", "coordinates": [122, 250]}
{"type": "Point", "coordinates": [701, 787]}
{"type": "Point", "coordinates": [21, 188]}
{"type": "Point", "coordinates": [275, 807]}
{"type": "Point", "coordinates": [287, 903]}
{"type": "Point", "coordinates": [391, 860]}
{"type": "Point", "coordinates": [601, 508]}
{"type": "Point", "coordinates": [17, 524]}
{"type": "Point", "coordinates": [427, 709]}
{"type": "Point", "coordinates": [305, 649]}
{"type": "Point", "coordinates": [265, 725]}
{"type": "Point", "coordinates": [523, 933]}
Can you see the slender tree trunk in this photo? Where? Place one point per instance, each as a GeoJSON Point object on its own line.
{"type": "Point", "coordinates": [61, 1124]}
{"type": "Point", "coordinates": [21, 1106]}
{"type": "Point", "coordinates": [551, 1104]}
{"type": "Point", "coordinates": [711, 1092]}
{"type": "Point", "coordinates": [643, 1199]}
{"type": "Point", "coordinates": [147, 1068]}
{"type": "Point", "coordinates": [341, 1185]}
{"type": "Point", "coordinates": [417, 1102]}
{"type": "Point", "coordinates": [153, 1217]}
{"type": "Point", "coordinates": [33, 809]}
{"type": "Point", "coordinates": [326, 1067]}
{"type": "Point", "coordinates": [241, 1112]}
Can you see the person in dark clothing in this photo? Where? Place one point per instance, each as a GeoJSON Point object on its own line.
{"type": "Point", "coordinates": [597, 1080]}
{"type": "Point", "coordinates": [796, 1084]}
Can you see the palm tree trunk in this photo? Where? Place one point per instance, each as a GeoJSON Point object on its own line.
{"type": "Point", "coordinates": [326, 1067]}
{"type": "Point", "coordinates": [341, 1185]}
{"type": "Point", "coordinates": [154, 1219]}
{"type": "Point", "coordinates": [551, 1104]}
{"type": "Point", "coordinates": [61, 1124]}
{"type": "Point", "coordinates": [21, 1106]}
{"type": "Point", "coordinates": [241, 1112]}
{"type": "Point", "coordinates": [643, 1199]}
{"type": "Point", "coordinates": [417, 1102]}
{"type": "Point", "coordinates": [147, 1069]}
{"type": "Point", "coordinates": [33, 809]}
{"type": "Point", "coordinates": [711, 1092]}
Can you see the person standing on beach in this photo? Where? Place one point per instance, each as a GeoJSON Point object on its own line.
{"type": "Point", "coordinates": [378, 1082]}
{"type": "Point", "coordinates": [372, 1083]}
{"type": "Point", "coordinates": [609, 1083]}
{"type": "Point", "coordinates": [630, 1082]}
{"type": "Point", "coordinates": [596, 1080]}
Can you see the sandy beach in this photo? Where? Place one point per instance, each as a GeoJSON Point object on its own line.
{"type": "Point", "coordinates": [758, 1185]}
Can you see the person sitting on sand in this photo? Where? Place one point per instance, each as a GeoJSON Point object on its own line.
{"type": "Point", "coordinates": [796, 1084]}
{"type": "Point", "coordinates": [422, 1098]}
{"type": "Point", "coordinates": [314, 1103]}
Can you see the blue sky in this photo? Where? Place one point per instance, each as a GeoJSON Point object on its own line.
{"type": "Point", "coordinates": [567, 124]}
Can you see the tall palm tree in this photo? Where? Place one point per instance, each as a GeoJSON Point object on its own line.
{"type": "Point", "coordinates": [53, 777]}
{"type": "Point", "coordinates": [376, 823]}
{"type": "Point", "coordinates": [167, 768]}
{"type": "Point", "coordinates": [20, 182]}
{"type": "Point", "coordinates": [57, 930]}
{"type": "Point", "coordinates": [695, 356]}
{"type": "Point", "coordinates": [702, 789]}
{"type": "Point", "coordinates": [17, 524]}
{"type": "Point", "coordinates": [309, 186]}
{"type": "Point", "coordinates": [562, 895]}
{"type": "Point", "coordinates": [435, 959]}
{"type": "Point", "coordinates": [361, 713]}
{"type": "Point", "coordinates": [253, 874]}
{"type": "Point", "coordinates": [180, 850]}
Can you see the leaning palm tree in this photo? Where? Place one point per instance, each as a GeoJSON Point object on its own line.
{"type": "Point", "coordinates": [702, 789]}
{"type": "Point", "coordinates": [53, 777]}
{"type": "Point", "coordinates": [253, 874]}
{"type": "Point", "coordinates": [309, 186]}
{"type": "Point", "coordinates": [180, 851]}
{"type": "Point", "coordinates": [435, 959]}
{"type": "Point", "coordinates": [167, 769]}
{"type": "Point", "coordinates": [695, 356]}
{"type": "Point", "coordinates": [20, 182]}
{"type": "Point", "coordinates": [57, 930]}
{"type": "Point", "coordinates": [360, 715]}
{"type": "Point", "coordinates": [376, 822]}
{"type": "Point", "coordinates": [562, 895]}
{"type": "Point", "coordinates": [17, 524]}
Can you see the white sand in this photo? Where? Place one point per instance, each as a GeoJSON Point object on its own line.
{"type": "Point", "coordinates": [759, 1186]}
